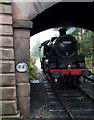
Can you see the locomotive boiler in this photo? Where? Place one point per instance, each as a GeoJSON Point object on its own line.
{"type": "Point", "coordinates": [61, 61]}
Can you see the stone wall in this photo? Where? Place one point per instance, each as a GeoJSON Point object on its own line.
{"type": "Point", "coordinates": [8, 100]}
{"type": "Point", "coordinates": [15, 26]}
{"type": "Point", "coordinates": [21, 34]}
{"type": "Point", "coordinates": [14, 48]}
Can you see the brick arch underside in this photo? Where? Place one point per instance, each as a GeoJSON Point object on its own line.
{"type": "Point", "coordinates": [65, 14]}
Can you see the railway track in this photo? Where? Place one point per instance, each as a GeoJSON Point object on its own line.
{"type": "Point", "coordinates": [77, 102]}
{"type": "Point", "coordinates": [55, 107]}
{"type": "Point", "coordinates": [88, 87]}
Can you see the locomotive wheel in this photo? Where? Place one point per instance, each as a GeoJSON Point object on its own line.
{"type": "Point", "coordinates": [44, 67]}
{"type": "Point", "coordinates": [71, 80]}
{"type": "Point", "coordinates": [59, 81]}
{"type": "Point", "coordinates": [77, 80]}
{"type": "Point", "coordinates": [53, 81]}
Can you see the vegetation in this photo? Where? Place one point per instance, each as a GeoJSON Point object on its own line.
{"type": "Point", "coordinates": [35, 50]}
{"type": "Point", "coordinates": [33, 57]}
{"type": "Point", "coordinates": [86, 40]}
{"type": "Point", "coordinates": [33, 68]}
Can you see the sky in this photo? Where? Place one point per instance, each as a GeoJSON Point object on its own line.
{"type": "Point", "coordinates": [43, 36]}
{"type": "Point", "coordinates": [47, 34]}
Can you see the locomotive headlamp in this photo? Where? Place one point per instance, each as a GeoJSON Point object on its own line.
{"type": "Point", "coordinates": [56, 75]}
{"type": "Point", "coordinates": [69, 66]}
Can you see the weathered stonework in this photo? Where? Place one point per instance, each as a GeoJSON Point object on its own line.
{"type": "Point", "coordinates": [5, 1]}
{"type": "Point", "coordinates": [5, 9]}
{"type": "Point", "coordinates": [8, 93]}
{"type": "Point", "coordinates": [6, 30]}
{"type": "Point", "coordinates": [24, 105]}
{"type": "Point", "coordinates": [7, 64]}
{"type": "Point", "coordinates": [22, 77]}
{"type": "Point", "coordinates": [7, 54]}
{"type": "Point", "coordinates": [21, 33]}
{"type": "Point", "coordinates": [23, 90]}
{"type": "Point", "coordinates": [22, 54]}
{"type": "Point", "coordinates": [9, 107]}
{"type": "Point", "coordinates": [6, 19]}
{"type": "Point", "coordinates": [7, 80]}
{"type": "Point", "coordinates": [34, 8]}
{"type": "Point", "coordinates": [22, 24]}
{"type": "Point", "coordinates": [6, 41]}
{"type": "Point", "coordinates": [22, 44]}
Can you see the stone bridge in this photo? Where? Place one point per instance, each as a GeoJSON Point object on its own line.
{"type": "Point", "coordinates": [19, 21]}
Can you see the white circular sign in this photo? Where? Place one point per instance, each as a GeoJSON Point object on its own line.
{"type": "Point", "coordinates": [22, 67]}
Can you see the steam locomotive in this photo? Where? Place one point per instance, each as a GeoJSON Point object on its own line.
{"type": "Point", "coordinates": [61, 61]}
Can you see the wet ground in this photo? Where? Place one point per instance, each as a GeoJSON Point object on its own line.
{"type": "Point", "coordinates": [39, 97]}
{"type": "Point", "coordinates": [44, 102]}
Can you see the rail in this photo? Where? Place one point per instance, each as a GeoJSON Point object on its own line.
{"type": "Point", "coordinates": [61, 100]}
{"type": "Point", "coordinates": [76, 102]}
{"type": "Point", "coordinates": [91, 77]}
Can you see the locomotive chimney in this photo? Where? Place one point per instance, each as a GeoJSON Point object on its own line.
{"type": "Point", "coordinates": [62, 31]}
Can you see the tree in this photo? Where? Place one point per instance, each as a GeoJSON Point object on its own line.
{"type": "Point", "coordinates": [86, 40]}
{"type": "Point", "coordinates": [35, 50]}
{"type": "Point", "coordinates": [84, 37]}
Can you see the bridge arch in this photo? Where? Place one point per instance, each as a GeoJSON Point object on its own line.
{"type": "Point", "coordinates": [76, 14]}
{"type": "Point", "coordinates": [23, 23]}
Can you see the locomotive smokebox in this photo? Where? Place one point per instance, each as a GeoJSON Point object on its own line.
{"type": "Point", "coordinates": [66, 46]}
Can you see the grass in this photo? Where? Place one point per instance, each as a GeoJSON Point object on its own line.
{"type": "Point", "coordinates": [33, 75]}
{"type": "Point", "coordinates": [89, 64]}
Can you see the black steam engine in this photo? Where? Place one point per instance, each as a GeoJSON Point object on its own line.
{"type": "Point", "coordinates": [61, 60]}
